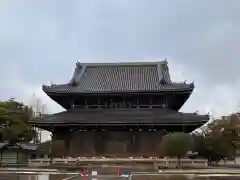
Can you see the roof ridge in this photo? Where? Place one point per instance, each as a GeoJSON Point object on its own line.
{"type": "Point", "coordinates": [131, 63]}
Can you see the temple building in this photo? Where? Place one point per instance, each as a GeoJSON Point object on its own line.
{"type": "Point", "coordinates": [118, 109]}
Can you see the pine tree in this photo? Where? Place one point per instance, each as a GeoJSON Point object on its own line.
{"type": "Point", "coordinates": [14, 117]}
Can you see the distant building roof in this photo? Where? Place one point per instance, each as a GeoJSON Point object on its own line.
{"type": "Point", "coordinates": [119, 77]}
{"type": "Point", "coordinates": [23, 145]}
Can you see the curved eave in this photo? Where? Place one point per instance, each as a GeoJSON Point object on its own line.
{"type": "Point", "coordinates": [68, 124]}
{"type": "Point", "coordinates": [51, 126]}
{"type": "Point", "coordinates": [124, 116]}
{"type": "Point", "coordinates": [43, 122]}
{"type": "Point", "coordinates": [63, 120]}
{"type": "Point", "coordinates": [53, 90]}
{"type": "Point", "coordinates": [186, 97]}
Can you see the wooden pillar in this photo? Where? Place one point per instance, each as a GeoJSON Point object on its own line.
{"type": "Point", "coordinates": [1, 158]}
{"type": "Point", "coordinates": [133, 142]}
{"type": "Point", "coordinates": [99, 144]}
{"type": "Point", "coordinates": [51, 149]}
{"type": "Point", "coordinates": [183, 128]}
{"type": "Point", "coordinates": [132, 145]}
{"type": "Point", "coordinates": [18, 156]}
{"type": "Point", "coordinates": [94, 144]}
{"type": "Point", "coordinates": [67, 139]}
{"type": "Point", "coordinates": [137, 142]}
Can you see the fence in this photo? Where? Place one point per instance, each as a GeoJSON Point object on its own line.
{"type": "Point", "coordinates": [105, 160]}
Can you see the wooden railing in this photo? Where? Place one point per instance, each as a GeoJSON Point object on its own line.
{"type": "Point", "coordinates": [105, 160]}
{"type": "Point", "coordinates": [119, 106]}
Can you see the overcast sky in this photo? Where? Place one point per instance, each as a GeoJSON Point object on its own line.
{"type": "Point", "coordinates": [40, 41]}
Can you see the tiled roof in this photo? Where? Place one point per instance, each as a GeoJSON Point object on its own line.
{"type": "Point", "coordinates": [119, 77]}
{"type": "Point", "coordinates": [23, 145]}
{"type": "Point", "coordinates": [122, 116]}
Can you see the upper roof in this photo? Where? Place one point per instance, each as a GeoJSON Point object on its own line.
{"type": "Point", "coordinates": [119, 77]}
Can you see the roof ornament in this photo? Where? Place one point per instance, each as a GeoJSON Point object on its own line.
{"type": "Point", "coordinates": [165, 65]}
{"type": "Point", "coordinates": [165, 62]}
{"type": "Point", "coordinates": [50, 83]}
{"type": "Point", "coordinates": [43, 85]}
{"type": "Point", "coordinates": [185, 82]}
{"type": "Point", "coordinates": [78, 72]}
{"type": "Point", "coordinates": [192, 84]}
{"type": "Point", "coordinates": [78, 64]}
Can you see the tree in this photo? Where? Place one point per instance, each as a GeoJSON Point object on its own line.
{"type": "Point", "coordinates": [229, 128]}
{"type": "Point", "coordinates": [14, 117]}
{"type": "Point", "coordinates": [213, 148]}
{"type": "Point", "coordinates": [200, 145]}
{"type": "Point", "coordinates": [221, 139]}
{"type": "Point", "coordinates": [176, 145]}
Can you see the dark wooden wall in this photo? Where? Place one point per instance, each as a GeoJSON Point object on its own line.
{"type": "Point", "coordinates": [111, 143]}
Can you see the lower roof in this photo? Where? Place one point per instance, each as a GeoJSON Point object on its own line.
{"type": "Point", "coordinates": [121, 116]}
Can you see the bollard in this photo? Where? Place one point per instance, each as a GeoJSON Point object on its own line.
{"type": "Point", "coordinates": [118, 172]}
{"type": "Point", "coordinates": [84, 173]}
